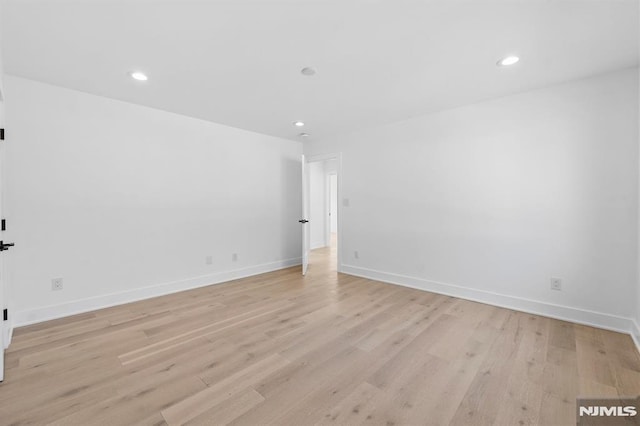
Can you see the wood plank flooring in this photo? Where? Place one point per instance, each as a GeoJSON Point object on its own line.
{"type": "Point", "coordinates": [325, 349]}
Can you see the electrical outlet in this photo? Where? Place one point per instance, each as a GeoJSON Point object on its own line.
{"type": "Point", "coordinates": [234, 257]}
{"type": "Point", "coordinates": [208, 260]}
{"type": "Point", "coordinates": [556, 283]}
{"type": "Point", "coordinates": [56, 284]}
{"type": "Point", "coordinates": [356, 255]}
{"type": "Point", "coordinates": [345, 202]}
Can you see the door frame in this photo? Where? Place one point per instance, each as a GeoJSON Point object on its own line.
{"type": "Point", "coordinates": [5, 329]}
{"type": "Point", "coordinates": [338, 157]}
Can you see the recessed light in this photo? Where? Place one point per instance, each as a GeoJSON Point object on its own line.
{"type": "Point", "coordinates": [304, 135]}
{"type": "Point", "coordinates": [508, 60]}
{"type": "Point", "coordinates": [298, 123]}
{"type": "Point", "coordinates": [308, 71]}
{"type": "Point", "coordinates": [140, 76]}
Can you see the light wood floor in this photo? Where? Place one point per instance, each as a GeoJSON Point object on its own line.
{"type": "Point", "coordinates": [324, 349]}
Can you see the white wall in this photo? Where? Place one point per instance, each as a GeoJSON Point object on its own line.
{"type": "Point", "coordinates": [125, 202]}
{"type": "Point", "coordinates": [490, 200]}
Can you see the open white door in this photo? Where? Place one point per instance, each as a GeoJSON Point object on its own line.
{"type": "Point", "coordinates": [2, 246]}
{"type": "Point", "coordinates": [306, 240]}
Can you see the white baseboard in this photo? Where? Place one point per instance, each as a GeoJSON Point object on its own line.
{"type": "Point", "coordinates": [566, 313]}
{"type": "Point", "coordinates": [32, 316]}
{"type": "Point", "coordinates": [10, 336]}
{"type": "Point", "coordinates": [635, 333]}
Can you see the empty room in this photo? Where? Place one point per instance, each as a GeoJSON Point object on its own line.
{"type": "Point", "coordinates": [306, 212]}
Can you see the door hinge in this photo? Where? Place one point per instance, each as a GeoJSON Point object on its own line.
{"type": "Point", "coordinates": [5, 314]}
{"type": "Point", "coordinates": [3, 225]}
{"type": "Point", "coordinates": [1, 134]}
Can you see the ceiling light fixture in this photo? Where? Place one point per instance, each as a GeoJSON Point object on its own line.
{"type": "Point", "coordinates": [140, 76]}
{"type": "Point", "coordinates": [298, 123]}
{"type": "Point", "coordinates": [308, 71]}
{"type": "Point", "coordinates": [304, 135]}
{"type": "Point", "coordinates": [508, 60]}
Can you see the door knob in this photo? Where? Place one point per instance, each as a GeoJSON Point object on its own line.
{"type": "Point", "coordinates": [303, 221]}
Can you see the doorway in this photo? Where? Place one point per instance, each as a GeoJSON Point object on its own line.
{"type": "Point", "coordinates": [322, 187]}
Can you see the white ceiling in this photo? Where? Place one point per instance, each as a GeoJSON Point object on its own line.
{"type": "Point", "coordinates": [238, 62]}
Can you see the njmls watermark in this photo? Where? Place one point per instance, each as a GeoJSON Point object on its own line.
{"type": "Point", "coordinates": [608, 411]}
